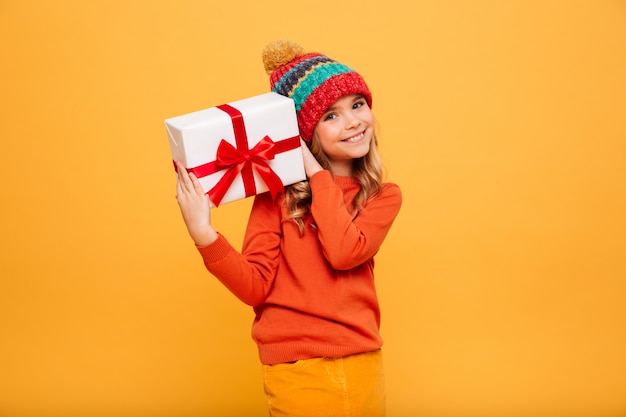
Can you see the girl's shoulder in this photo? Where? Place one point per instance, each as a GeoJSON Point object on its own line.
{"type": "Point", "coordinates": [391, 193]}
{"type": "Point", "coordinates": [390, 188]}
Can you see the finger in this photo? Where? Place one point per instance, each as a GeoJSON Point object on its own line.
{"type": "Point", "coordinates": [196, 184]}
{"type": "Point", "coordinates": [178, 185]}
{"type": "Point", "coordinates": [180, 192]}
{"type": "Point", "coordinates": [183, 176]}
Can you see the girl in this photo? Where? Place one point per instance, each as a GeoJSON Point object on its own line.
{"type": "Point", "coordinates": [306, 266]}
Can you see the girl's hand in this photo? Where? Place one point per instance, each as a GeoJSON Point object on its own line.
{"type": "Point", "coordinates": [195, 207]}
{"type": "Point", "coordinates": [311, 166]}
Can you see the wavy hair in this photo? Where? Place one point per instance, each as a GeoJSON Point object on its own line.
{"type": "Point", "coordinates": [367, 171]}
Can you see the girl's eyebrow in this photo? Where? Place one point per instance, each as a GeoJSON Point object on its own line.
{"type": "Point", "coordinates": [356, 98]}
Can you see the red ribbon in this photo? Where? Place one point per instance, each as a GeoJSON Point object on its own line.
{"type": "Point", "coordinates": [241, 159]}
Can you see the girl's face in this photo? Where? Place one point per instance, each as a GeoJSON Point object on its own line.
{"type": "Point", "coordinates": [345, 131]}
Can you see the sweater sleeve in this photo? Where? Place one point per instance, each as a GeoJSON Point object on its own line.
{"type": "Point", "coordinates": [349, 241]}
{"type": "Point", "coordinates": [249, 275]}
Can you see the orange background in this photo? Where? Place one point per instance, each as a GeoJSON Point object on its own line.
{"type": "Point", "coordinates": [502, 284]}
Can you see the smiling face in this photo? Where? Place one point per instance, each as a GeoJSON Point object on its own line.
{"type": "Point", "coordinates": [345, 132]}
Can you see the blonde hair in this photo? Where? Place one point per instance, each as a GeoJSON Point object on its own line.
{"type": "Point", "coordinates": [367, 171]}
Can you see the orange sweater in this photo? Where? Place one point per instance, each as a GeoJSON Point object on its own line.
{"type": "Point", "coordinates": [313, 295]}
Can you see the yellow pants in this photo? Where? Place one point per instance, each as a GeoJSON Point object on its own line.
{"type": "Point", "coordinates": [351, 386]}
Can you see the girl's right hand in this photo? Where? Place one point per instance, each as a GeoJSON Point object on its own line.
{"type": "Point", "coordinates": [311, 166]}
{"type": "Point", "coordinates": [195, 207]}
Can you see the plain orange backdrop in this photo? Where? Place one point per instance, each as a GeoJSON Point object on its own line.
{"type": "Point", "coordinates": [502, 283]}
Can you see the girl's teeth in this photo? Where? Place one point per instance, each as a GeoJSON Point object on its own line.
{"type": "Point", "coordinates": [355, 138]}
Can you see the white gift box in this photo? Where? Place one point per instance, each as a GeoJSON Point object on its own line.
{"type": "Point", "coordinates": [262, 146]}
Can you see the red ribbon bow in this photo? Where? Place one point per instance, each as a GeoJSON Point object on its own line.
{"type": "Point", "coordinates": [236, 161]}
{"type": "Point", "coordinates": [241, 159]}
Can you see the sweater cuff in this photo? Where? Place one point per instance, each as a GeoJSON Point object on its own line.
{"type": "Point", "coordinates": [215, 251]}
{"type": "Point", "coordinates": [320, 180]}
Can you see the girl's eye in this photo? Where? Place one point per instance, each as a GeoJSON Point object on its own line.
{"type": "Point", "coordinates": [330, 116]}
{"type": "Point", "coordinates": [358, 104]}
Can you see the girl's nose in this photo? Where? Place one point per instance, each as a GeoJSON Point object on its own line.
{"type": "Point", "coordinates": [351, 121]}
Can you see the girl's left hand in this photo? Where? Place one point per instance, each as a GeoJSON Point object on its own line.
{"type": "Point", "coordinates": [311, 166]}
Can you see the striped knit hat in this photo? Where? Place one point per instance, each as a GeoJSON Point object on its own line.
{"type": "Point", "coordinates": [314, 81]}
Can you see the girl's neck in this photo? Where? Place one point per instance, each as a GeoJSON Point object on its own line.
{"type": "Point", "coordinates": [342, 168]}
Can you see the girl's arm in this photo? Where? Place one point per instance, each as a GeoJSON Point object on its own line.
{"type": "Point", "coordinates": [249, 274]}
{"type": "Point", "coordinates": [248, 277]}
{"type": "Point", "coordinates": [349, 241]}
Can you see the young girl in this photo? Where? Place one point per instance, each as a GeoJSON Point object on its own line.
{"type": "Point", "coordinates": [307, 262]}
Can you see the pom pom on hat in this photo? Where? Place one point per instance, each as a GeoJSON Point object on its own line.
{"type": "Point", "coordinates": [279, 53]}
{"type": "Point", "coordinates": [314, 81]}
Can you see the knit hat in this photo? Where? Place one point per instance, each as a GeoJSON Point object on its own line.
{"type": "Point", "coordinates": [314, 81]}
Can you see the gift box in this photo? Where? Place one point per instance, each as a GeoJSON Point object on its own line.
{"type": "Point", "coordinates": [241, 148]}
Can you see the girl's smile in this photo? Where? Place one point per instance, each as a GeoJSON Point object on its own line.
{"type": "Point", "coordinates": [355, 138]}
